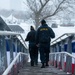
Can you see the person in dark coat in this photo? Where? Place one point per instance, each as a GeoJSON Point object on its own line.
{"type": "Point", "coordinates": [43, 37]}
{"type": "Point", "coordinates": [33, 49]}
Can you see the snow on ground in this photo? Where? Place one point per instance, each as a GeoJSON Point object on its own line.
{"type": "Point", "coordinates": [62, 30]}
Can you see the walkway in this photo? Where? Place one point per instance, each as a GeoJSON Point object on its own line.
{"type": "Point", "coordinates": [36, 70]}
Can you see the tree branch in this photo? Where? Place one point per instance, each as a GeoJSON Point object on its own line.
{"type": "Point", "coordinates": [58, 7]}
{"type": "Point", "coordinates": [41, 3]}
{"type": "Point", "coordinates": [29, 4]}
{"type": "Point", "coordinates": [56, 11]}
{"type": "Point", "coordinates": [42, 6]}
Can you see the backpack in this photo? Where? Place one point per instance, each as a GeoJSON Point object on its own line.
{"type": "Point", "coordinates": [44, 37]}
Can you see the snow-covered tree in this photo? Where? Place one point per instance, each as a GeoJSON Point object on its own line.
{"type": "Point", "coordinates": [44, 9]}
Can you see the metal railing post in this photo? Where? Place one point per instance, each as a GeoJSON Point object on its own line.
{"type": "Point", "coordinates": [66, 61]}
{"type": "Point", "coordinates": [68, 58]}
{"type": "Point", "coordinates": [3, 60]}
{"type": "Point", "coordinates": [21, 56]}
{"type": "Point", "coordinates": [62, 55]}
{"type": "Point", "coordinates": [10, 42]}
{"type": "Point", "coordinates": [8, 51]}
{"type": "Point", "coordinates": [74, 66]}
{"type": "Point", "coordinates": [57, 56]}
{"type": "Point", "coordinates": [11, 53]}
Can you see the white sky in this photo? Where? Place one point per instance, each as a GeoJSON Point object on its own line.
{"type": "Point", "coordinates": [11, 4]}
{"type": "Point", "coordinates": [4, 4]}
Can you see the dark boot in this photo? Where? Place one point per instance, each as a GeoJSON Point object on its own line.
{"type": "Point", "coordinates": [36, 63]}
{"type": "Point", "coordinates": [32, 63]}
{"type": "Point", "coordinates": [47, 64]}
{"type": "Point", "coordinates": [43, 66]}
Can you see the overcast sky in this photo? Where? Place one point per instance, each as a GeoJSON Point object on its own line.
{"type": "Point", "coordinates": [10, 4]}
{"type": "Point", "coordinates": [4, 4]}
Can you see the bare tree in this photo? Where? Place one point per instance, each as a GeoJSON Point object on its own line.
{"type": "Point", "coordinates": [43, 9]}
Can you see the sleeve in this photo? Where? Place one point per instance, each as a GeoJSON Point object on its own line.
{"type": "Point", "coordinates": [28, 37]}
{"type": "Point", "coordinates": [52, 34]}
{"type": "Point", "coordinates": [37, 36]}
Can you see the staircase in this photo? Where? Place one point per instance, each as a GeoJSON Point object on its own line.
{"type": "Point", "coordinates": [18, 66]}
{"type": "Point", "coordinates": [36, 70]}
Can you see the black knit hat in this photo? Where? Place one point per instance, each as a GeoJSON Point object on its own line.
{"type": "Point", "coordinates": [43, 21]}
{"type": "Point", "coordinates": [31, 28]}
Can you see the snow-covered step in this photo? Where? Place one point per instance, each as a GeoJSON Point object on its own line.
{"type": "Point", "coordinates": [36, 70]}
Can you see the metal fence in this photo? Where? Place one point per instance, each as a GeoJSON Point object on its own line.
{"type": "Point", "coordinates": [10, 46]}
{"type": "Point", "coordinates": [62, 53]}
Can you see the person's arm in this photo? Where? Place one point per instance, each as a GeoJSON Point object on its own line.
{"type": "Point", "coordinates": [52, 34]}
{"type": "Point", "coordinates": [37, 36]}
{"type": "Point", "coordinates": [28, 37]}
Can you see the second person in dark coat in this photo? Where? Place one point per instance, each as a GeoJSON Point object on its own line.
{"type": "Point", "coordinates": [33, 49]}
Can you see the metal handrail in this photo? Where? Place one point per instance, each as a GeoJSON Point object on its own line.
{"type": "Point", "coordinates": [66, 53]}
{"type": "Point", "coordinates": [63, 53]}
{"type": "Point", "coordinates": [23, 41]}
{"type": "Point", "coordinates": [9, 33]}
{"type": "Point", "coordinates": [13, 33]}
{"type": "Point", "coordinates": [67, 34]}
{"type": "Point", "coordinates": [12, 63]}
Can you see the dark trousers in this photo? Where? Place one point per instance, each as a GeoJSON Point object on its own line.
{"type": "Point", "coordinates": [33, 50]}
{"type": "Point", "coordinates": [36, 55]}
{"type": "Point", "coordinates": [44, 52]}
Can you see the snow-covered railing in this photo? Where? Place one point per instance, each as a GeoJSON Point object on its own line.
{"type": "Point", "coordinates": [62, 52]}
{"type": "Point", "coordinates": [6, 33]}
{"type": "Point", "coordinates": [60, 63]}
{"type": "Point", "coordinates": [66, 53]}
{"type": "Point", "coordinates": [11, 43]}
{"type": "Point", "coordinates": [64, 36]}
{"type": "Point", "coordinates": [13, 62]}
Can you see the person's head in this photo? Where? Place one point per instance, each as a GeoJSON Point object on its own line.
{"type": "Point", "coordinates": [43, 22]}
{"type": "Point", "coordinates": [31, 28]}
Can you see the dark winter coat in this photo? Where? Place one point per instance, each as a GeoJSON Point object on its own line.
{"type": "Point", "coordinates": [31, 37]}
{"type": "Point", "coordinates": [48, 31]}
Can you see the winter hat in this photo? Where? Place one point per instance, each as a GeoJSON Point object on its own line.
{"type": "Point", "coordinates": [43, 21]}
{"type": "Point", "coordinates": [31, 28]}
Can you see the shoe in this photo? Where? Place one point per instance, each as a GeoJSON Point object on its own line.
{"type": "Point", "coordinates": [42, 66]}
{"type": "Point", "coordinates": [47, 65]}
{"type": "Point", "coordinates": [36, 63]}
{"type": "Point", "coordinates": [32, 63]}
